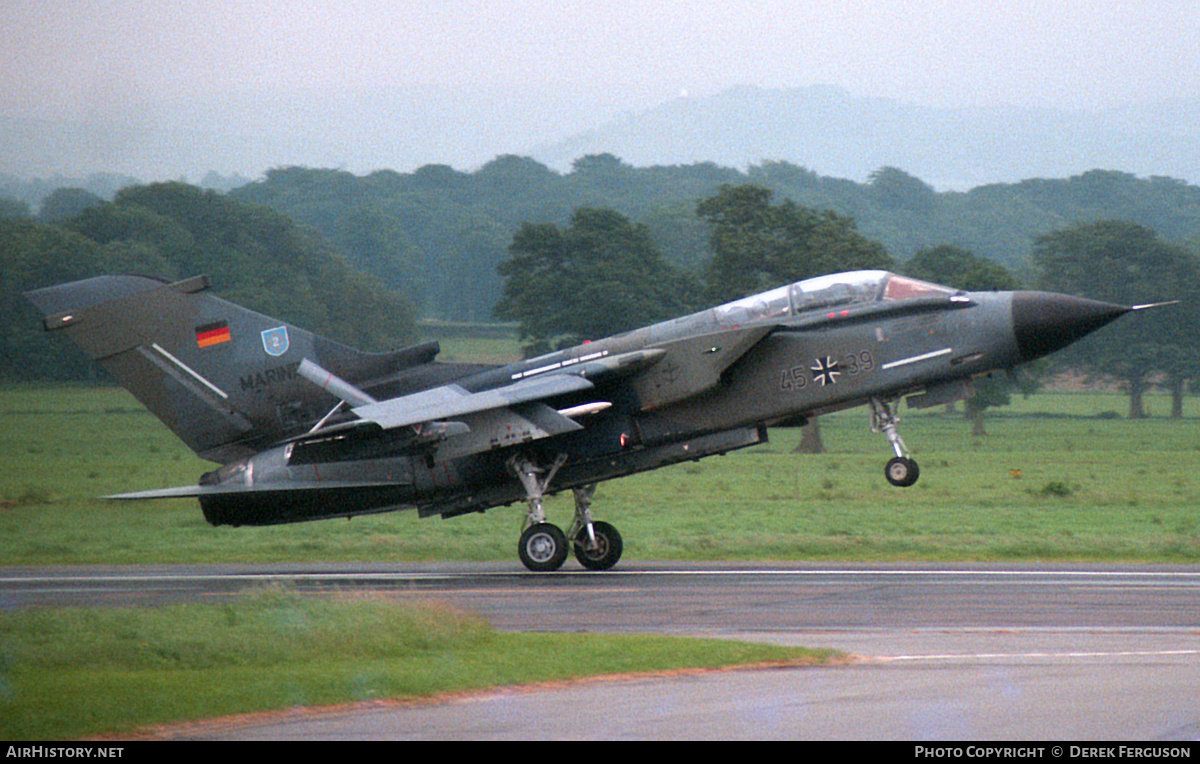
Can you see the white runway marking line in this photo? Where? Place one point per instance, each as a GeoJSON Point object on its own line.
{"type": "Point", "coordinates": [1160, 578]}
{"type": "Point", "coordinates": [995, 656]}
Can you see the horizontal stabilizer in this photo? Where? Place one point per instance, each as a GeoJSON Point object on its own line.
{"type": "Point", "coordinates": [179, 492]}
{"type": "Point", "coordinates": [194, 491]}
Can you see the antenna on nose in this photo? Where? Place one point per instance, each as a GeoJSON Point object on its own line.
{"type": "Point", "coordinates": [1150, 305]}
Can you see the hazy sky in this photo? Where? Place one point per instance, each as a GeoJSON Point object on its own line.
{"type": "Point", "coordinates": [567, 65]}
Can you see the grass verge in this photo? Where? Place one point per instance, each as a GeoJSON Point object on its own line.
{"type": "Point", "coordinates": [70, 673]}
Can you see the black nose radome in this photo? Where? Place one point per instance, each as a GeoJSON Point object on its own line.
{"type": "Point", "coordinates": [1045, 321]}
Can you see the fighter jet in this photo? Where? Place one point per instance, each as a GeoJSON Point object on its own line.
{"type": "Point", "coordinates": [305, 428]}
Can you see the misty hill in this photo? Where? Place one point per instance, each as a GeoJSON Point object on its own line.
{"type": "Point", "coordinates": [835, 133]}
{"type": "Point", "coordinates": [33, 191]}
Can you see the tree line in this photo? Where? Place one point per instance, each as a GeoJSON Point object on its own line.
{"type": "Point", "coordinates": [439, 234]}
{"type": "Point", "coordinates": [608, 247]}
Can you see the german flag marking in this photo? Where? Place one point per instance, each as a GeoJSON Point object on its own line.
{"type": "Point", "coordinates": [213, 334]}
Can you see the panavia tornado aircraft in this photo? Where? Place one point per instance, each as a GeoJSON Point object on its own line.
{"type": "Point", "coordinates": [305, 428]}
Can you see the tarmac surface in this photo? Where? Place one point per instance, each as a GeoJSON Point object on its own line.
{"type": "Point", "coordinates": [943, 652]}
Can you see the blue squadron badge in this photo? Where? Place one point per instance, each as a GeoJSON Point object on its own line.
{"type": "Point", "coordinates": [275, 341]}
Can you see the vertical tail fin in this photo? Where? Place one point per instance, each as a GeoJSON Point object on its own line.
{"type": "Point", "coordinates": [221, 377]}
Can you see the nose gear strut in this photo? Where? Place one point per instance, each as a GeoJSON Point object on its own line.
{"type": "Point", "coordinates": [901, 470]}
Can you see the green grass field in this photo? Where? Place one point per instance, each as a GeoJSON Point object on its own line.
{"type": "Point", "coordinates": [1057, 478]}
{"type": "Point", "coordinates": [473, 343]}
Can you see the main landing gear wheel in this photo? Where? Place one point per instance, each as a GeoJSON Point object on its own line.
{"type": "Point", "coordinates": [901, 471]}
{"type": "Point", "coordinates": [604, 552]}
{"type": "Point", "coordinates": [543, 547]}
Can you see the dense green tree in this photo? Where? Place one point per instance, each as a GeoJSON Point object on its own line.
{"type": "Point", "coordinates": [436, 234]}
{"type": "Point", "coordinates": [1128, 264]}
{"type": "Point", "coordinates": [598, 277]}
{"type": "Point", "coordinates": [66, 203]}
{"type": "Point", "coordinates": [895, 189]}
{"type": "Point", "coordinates": [603, 170]}
{"type": "Point", "coordinates": [514, 181]}
{"type": "Point", "coordinates": [255, 256]}
{"type": "Point", "coordinates": [757, 245]}
{"type": "Point", "coordinates": [960, 268]}
{"type": "Point", "coordinates": [11, 208]}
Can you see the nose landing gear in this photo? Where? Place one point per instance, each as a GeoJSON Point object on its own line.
{"type": "Point", "coordinates": [901, 470]}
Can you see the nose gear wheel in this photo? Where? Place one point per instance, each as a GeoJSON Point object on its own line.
{"type": "Point", "coordinates": [901, 472]}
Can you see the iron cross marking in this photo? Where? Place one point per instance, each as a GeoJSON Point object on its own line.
{"type": "Point", "coordinates": [825, 371]}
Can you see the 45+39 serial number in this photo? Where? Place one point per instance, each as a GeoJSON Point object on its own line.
{"type": "Point", "coordinates": [826, 370]}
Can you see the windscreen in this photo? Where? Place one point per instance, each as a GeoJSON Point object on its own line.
{"type": "Point", "coordinates": [839, 289]}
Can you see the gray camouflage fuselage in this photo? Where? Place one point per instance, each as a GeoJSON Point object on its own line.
{"type": "Point", "coordinates": [348, 433]}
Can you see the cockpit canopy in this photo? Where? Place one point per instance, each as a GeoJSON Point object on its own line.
{"type": "Point", "coordinates": [840, 289]}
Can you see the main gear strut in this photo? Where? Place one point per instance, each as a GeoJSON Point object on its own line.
{"type": "Point", "coordinates": [543, 546]}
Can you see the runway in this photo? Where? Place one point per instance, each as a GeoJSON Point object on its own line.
{"type": "Point", "coordinates": [945, 652]}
